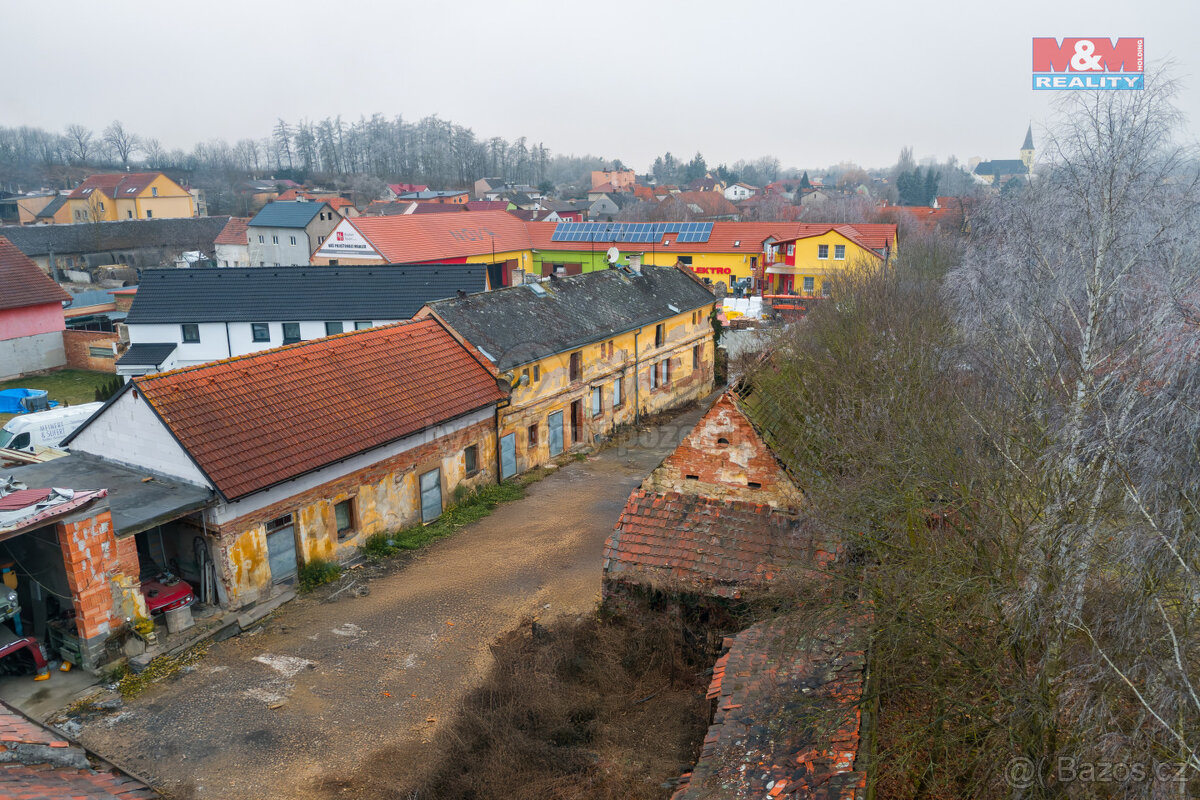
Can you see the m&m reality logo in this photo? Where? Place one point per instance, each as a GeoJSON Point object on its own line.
{"type": "Point", "coordinates": [1089, 63]}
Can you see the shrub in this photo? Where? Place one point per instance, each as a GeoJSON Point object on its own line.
{"type": "Point", "coordinates": [318, 572]}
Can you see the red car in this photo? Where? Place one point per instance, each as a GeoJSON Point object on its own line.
{"type": "Point", "coordinates": [166, 593]}
{"type": "Point", "coordinates": [10, 643]}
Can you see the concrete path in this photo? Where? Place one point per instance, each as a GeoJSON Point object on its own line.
{"type": "Point", "coordinates": [324, 685]}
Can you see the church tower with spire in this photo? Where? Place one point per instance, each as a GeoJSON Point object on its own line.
{"type": "Point", "coordinates": [1027, 150]}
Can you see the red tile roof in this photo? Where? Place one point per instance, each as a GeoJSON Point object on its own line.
{"type": "Point", "coordinates": [486, 205]}
{"type": "Point", "coordinates": [338, 202]}
{"type": "Point", "coordinates": [439, 208]}
{"type": "Point", "coordinates": [253, 421]}
{"type": "Point", "coordinates": [711, 204]}
{"type": "Point", "coordinates": [667, 540]}
{"type": "Point", "coordinates": [413, 238]}
{"type": "Point", "coordinates": [115, 184]}
{"type": "Point", "coordinates": [788, 722]}
{"type": "Point", "coordinates": [234, 232]}
{"type": "Point", "coordinates": [42, 765]}
{"type": "Point", "coordinates": [23, 282]}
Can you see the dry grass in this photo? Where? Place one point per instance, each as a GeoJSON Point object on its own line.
{"type": "Point", "coordinates": [587, 707]}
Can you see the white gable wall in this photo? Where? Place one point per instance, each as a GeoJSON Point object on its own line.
{"type": "Point", "coordinates": [130, 433]}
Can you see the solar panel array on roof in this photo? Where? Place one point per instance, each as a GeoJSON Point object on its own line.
{"type": "Point", "coordinates": [646, 232]}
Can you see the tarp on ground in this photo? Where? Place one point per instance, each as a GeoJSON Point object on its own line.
{"type": "Point", "coordinates": [18, 401]}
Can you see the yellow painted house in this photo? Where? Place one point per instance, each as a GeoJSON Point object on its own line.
{"type": "Point", "coordinates": [133, 195]}
{"type": "Point", "coordinates": [587, 354]}
{"type": "Point", "coordinates": [802, 264]}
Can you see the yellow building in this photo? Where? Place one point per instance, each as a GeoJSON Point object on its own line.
{"type": "Point", "coordinates": [587, 354]}
{"type": "Point", "coordinates": [803, 264]}
{"type": "Point", "coordinates": [134, 195]}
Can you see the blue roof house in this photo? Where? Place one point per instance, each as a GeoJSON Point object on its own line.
{"type": "Point", "coordinates": [287, 233]}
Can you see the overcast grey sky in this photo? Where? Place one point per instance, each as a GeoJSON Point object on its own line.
{"type": "Point", "coordinates": [814, 83]}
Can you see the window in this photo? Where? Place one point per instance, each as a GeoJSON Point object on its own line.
{"type": "Point", "coordinates": [154, 191]}
{"type": "Point", "coordinates": [839, 252]}
{"type": "Point", "coordinates": [696, 357]}
{"type": "Point", "coordinates": [293, 238]}
{"type": "Point", "coordinates": [822, 251]}
{"type": "Point", "coordinates": [825, 289]}
{"type": "Point", "coordinates": [362, 324]}
{"type": "Point", "coordinates": [332, 327]}
{"type": "Point", "coordinates": [291, 332]}
{"type": "Point", "coordinates": [597, 402]}
{"type": "Point", "coordinates": [343, 515]}
{"type": "Point", "coordinates": [660, 334]}
{"type": "Point", "coordinates": [664, 367]}
{"type": "Point", "coordinates": [191, 333]}
{"type": "Point", "coordinates": [808, 284]}
{"type": "Point", "coordinates": [791, 251]}
{"type": "Point", "coordinates": [617, 397]}
{"type": "Point", "coordinates": [130, 213]}
{"type": "Point", "coordinates": [654, 376]}
{"type": "Point", "coordinates": [333, 262]}
{"type": "Point", "coordinates": [525, 375]}
{"type": "Point", "coordinates": [576, 369]}
{"type": "Point", "coordinates": [274, 240]}
{"type": "Point", "coordinates": [431, 495]}
{"type": "Point", "coordinates": [149, 214]}
{"type": "Point", "coordinates": [471, 460]}
{"type": "Point", "coordinates": [100, 352]}
{"type": "Point", "coordinates": [537, 372]}
{"type": "Point", "coordinates": [320, 239]}
{"type": "Point", "coordinates": [102, 206]}
{"type": "Point", "coordinates": [533, 436]}
{"type": "Point", "coordinates": [260, 331]}
{"type": "Point", "coordinates": [260, 239]}
{"type": "Point", "coordinates": [686, 260]}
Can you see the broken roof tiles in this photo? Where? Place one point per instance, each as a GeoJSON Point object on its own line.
{"type": "Point", "coordinates": [690, 543]}
{"type": "Point", "coordinates": [788, 721]}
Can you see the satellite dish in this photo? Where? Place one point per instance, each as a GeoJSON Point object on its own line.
{"type": "Point", "coordinates": [613, 255]}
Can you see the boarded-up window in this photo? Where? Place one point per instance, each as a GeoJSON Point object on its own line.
{"type": "Point", "coordinates": [573, 269]}
{"type": "Point", "coordinates": [431, 495]}
{"type": "Point", "coordinates": [100, 352]}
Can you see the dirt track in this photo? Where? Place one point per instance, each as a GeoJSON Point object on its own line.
{"type": "Point", "coordinates": [323, 685]}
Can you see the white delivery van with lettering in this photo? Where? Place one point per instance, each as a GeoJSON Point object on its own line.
{"type": "Point", "coordinates": [44, 428]}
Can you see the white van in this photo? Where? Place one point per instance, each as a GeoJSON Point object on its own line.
{"type": "Point", "coordinates": [44, 428]}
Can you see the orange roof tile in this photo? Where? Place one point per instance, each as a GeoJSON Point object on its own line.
{"type": "Point", "coordinates": [115, 184]}
{"type": "Point", "coordinates": [412, 238]}
{"type": "Point", "coordinates": [24, 284]}
{"type": "Point", "coordinates": [234, 232]}
{"type": "Point", "coordinates": [737, 237]}
{"type": "Point", "coordinates": [702, 544]}
{"type": "Point", "coordinates": [787, 720]}
{"type": "Point", "coordinates": [256, 420]}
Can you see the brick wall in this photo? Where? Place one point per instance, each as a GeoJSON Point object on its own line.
{"type": "Point", "coordinates": [78, 345]}
{"type": "Point", "coordinates": [725, 457]}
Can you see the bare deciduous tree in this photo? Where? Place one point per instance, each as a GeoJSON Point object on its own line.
{"type": "Point", "coordinates": [122, 143]}
{"type": "Point", "coordinates": [80, 143]}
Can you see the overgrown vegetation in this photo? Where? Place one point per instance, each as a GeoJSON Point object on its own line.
{"type": "Point", "coordinates": [586, 707]}
{"type": "Point", "coordinates": [466, 509]}
{"type": "Point", "coordinates": [130, 683]}
{"type": "Point", "coordinates": [1011, 449]}
{"type": "Point", "coordinates": [318, 572]}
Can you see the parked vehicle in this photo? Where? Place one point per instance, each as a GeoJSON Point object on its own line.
{"type": "Point", "coordinates": [165, 592]}
{"type": "Point", "coordinates": [11, 644]}
{"type": "Point", "coordinates": [44, 428]}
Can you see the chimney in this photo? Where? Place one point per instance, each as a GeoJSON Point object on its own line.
{"type": "Point", "coordinates": [635, 262]}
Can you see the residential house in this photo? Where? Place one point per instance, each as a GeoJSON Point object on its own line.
{"type": "Point", "coordinates": [96, 250]}
{"type": "Point", "coordinates": [231, 248]}
{"type": "Point", "coordinates": [286, 233]}
{"type": "Point", "coordinates": [801, 263]}
{"type": "Point", "coordinates": [129, 195]}
{"type": "Point", "coordinates": [603, 207]}
{"type": "Point", "coordinates": [485, 186]}
{"type": "Point", "coordinates": [56, 212]}
{"type": "Point", "coordinates": [736, 192]}
{"type": "Point", "coordinates": [691, 205]}
{"type": "Point", "coordinates": [619, 180]}
{"type": "Point", "coordinates": [566, 210]}
{"type": "Point", "coordinates": [586, 354]}
{"type": "Point", "coordinates": [437, 196]}
{"type": "Point", "coordinates": [392, 191]}
{"type": "Point", "coordinates": [31, 315]}
{"type": "Point", "coordinates": [27, 207]}
{"type": "Point", "coordinates": [184, 317]}
{"type": "Point", "coordinates": [311, 448]}
{"type": "Point", "coordinates": [489, 205]}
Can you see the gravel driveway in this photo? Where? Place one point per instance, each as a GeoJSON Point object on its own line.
{"type": "Point", "coordinates": [280, 710]}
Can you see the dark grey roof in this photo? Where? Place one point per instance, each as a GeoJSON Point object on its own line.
{"type": "Point", "coordinates": [146, 354]}
{"type": "Point", "coordinates": [50, 210]}
{"type": "Point", "coordinates": [185, 233]}
{"type": "Point", "coordinates": [287, 214]}
{"type": "Point", "coordinates": [1006, 166]}
{"type": "Point", "coordinates": [262, 294]}
{"type": "Point", "coordinates": [137, 503]}
{"type": "Point", "coordinates": [517, 325]}
{"type": "Point", "coordinates": [1028, 145]}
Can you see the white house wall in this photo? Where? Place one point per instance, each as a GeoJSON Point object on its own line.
{"type": "Point", "coordinates": [220, 340]}
{"type": "Point", "coordinates": [129, 432]}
